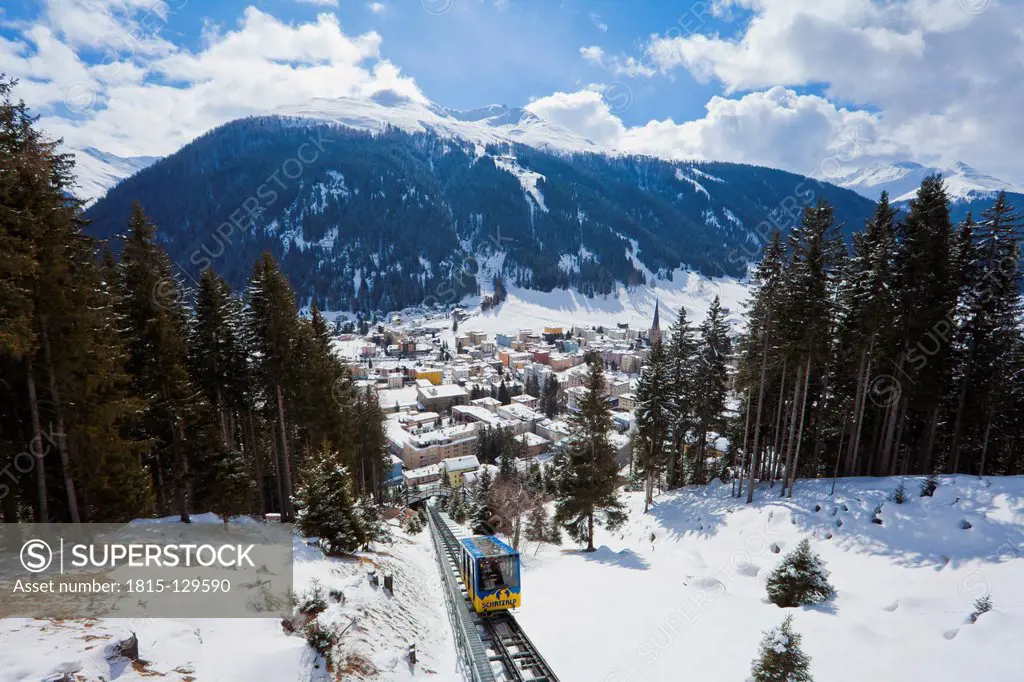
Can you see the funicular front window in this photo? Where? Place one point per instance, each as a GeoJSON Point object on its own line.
{"type": "Point", "coordinates": [498, 572]}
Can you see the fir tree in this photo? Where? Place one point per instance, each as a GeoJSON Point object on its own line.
{"type": "Point", "coordinates": [154, 323]}
{"type": "Point", "coordinates": [780, 658]}
{"type": "Point", "coordinates": [653, 420]}
{"type": "Point", "coordinates": [481, 514]}
{"type": "Point", "coordinates": [587, 484]}
{"type": "Point", "coordinates": [710, 383]}
{"type": "Point", "coordinates": [274, 330]}
{"type": "Point", "coordinates": [680, 363]}
{"type": "Point", "coordinates": [800, 579]}
{"type": "Point", "coordinates": [326, 506]}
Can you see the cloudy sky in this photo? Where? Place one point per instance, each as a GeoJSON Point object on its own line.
{"type": "Point", "coordinates": [813, 86]}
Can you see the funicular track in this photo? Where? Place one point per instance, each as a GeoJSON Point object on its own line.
{"type": "Point", "coordinates": [492, 647]}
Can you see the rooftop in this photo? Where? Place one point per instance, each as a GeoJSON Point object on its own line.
{"type": "Point", "coordinates": [482, 546]}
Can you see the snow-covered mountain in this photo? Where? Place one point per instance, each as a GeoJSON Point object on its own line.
{"type": "Point", "coordinates": [383, 218]}
{"type": "Point", "coordinates": [901, 180]}
{"type": "Point", "coordinates": [491, 124]}
{"type": "Point", "coordinates": [98, 171]}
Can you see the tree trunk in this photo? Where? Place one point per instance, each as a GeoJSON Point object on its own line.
{"type": "Point", "coordinates": [42, 513]}
{"type": "Point", "coordinates": [958, 420]}
{"type": "Point", "coordinates": [855, 437]}
{"type": "Point", "coordinates": [590, 532]}
{"type": "Point", "coordinates": [743, 453]}
{"type": "Point", "coordinates": [861, 368]}
{"type": "Point", "coordinates": [286, 503]}
{"type": "Point", "coordinates": [984, 444]}
{"type": "Point", "coordinates": [839, 454]}
{"type": "Point", "coordinates": [180, 473]}
{"type": "Point", "coordinates": [800, 430]}
{"type": "Point", "coordinates": [929, 455]}
{"type": "Point", "coordinates": [62, 439]}
{"type": "Point", "coordinates": [277, 468]}
{"type": "Point", "coordinates": [792, 427]}
{"type": "Point", "coordinates": [757, 422]}
{"type": "Point", "coordinates": [779, 426]}
{"type": "Point", "coordinates": [223, 421]}
{"type": "Point", "coordinates": [254, 453]}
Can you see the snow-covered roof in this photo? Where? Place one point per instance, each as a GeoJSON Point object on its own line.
{"type": "Point", "coordinates": [468, 462]}
{"type": "Point", "coordinates": [531, 439]}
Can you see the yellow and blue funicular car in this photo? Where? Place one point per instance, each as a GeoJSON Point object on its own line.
{"type": "Point", "coordinates": [490, 569]}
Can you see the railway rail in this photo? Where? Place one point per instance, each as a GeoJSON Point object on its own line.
{"type": "Point", "coordinates": [493, 647]}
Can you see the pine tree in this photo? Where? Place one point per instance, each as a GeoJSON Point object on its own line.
{"type": "Point", "coordinates": [867, 333]}
{"type": "Point", "coordinates": [759, 354]}
{"type": "Point", "coordinates": [326, 508]}
{"type": "Point", "coordinates": [992, 310]}
{"type": "Point", "coordinates": [680, 361]}
{"type": "Point", "coordinates": [780, 658]}
{"type": "Point", "coordinates": [152, 314]}
{"type": "Point", "coordinates": [800, 579]}
{"type": "Point", "coordinates": [653, 420]}
{"type": "Point", "coordinates": [710, 384]}
{"type": "Point", "coordinates": [587, 485]}
{"type": "Point", "coordinates": [503, 395]}
{"type": "Point", "coordinates": [926, 288]}
{"type": "Point", "coordinates": [274, 330]}
{"type": "Point", "coordinates": [481, 514]}
{"type": "Point", "coordinates": [551, 398]}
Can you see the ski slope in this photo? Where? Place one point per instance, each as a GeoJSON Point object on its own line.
{"type": "Point", "coordinates": [680, 593]}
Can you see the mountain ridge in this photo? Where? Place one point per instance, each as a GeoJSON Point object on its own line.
{"type": "Point", "coordinates": [384, 218]}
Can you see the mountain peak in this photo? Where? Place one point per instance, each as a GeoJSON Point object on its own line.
{"type": "Point", "coordinates": [902, 178]}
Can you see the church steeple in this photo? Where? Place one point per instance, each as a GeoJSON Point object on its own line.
{"type": "Point", "coordinates": [655, 325]}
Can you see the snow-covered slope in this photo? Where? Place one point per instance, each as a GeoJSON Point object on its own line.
{"type": "Point", "coordinates": [901, 179]}
{"type": "Point", "coordinates": [99, 171]}
{"type": "Point", "coordinates": [680, 593]}
{"type": "Point", "coordinates": [492, 124]}
{"type": "Point", "coordinates": [379, 629]}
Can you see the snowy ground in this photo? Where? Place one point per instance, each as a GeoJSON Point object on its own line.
{"type": "Point", "coordinates": [675, 594]}
{"type": "Point", "coordinates": [679, 593]}
{"type": "Point", "coordinates": [223, 650]}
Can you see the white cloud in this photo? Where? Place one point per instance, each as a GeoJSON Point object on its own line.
{"type": "Point", "coordinates": [376, 7]}
{"type": "Point", "coordinates": [596, 18]}
{"type": "Point", "coordinates": [584, 112]}
{"type": "Point", "coordinates": [131, 26]}
{"type": "Point", "coordinates": [322, 3]}
{"type": "Point", "coordinates": [155, 105]}
{"type": "Point", "coordinates": [593, 54]}
{"type": "Point", "coordinates": [776, 127]}
{"type": "Point", "coordinates": [944, 74]}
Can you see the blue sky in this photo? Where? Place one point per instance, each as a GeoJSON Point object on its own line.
{"type": "Point", "coordinates": [799, 84]}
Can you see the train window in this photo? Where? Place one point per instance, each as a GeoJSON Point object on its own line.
{"type": "Point", "coordinates": [498, 573]}
{"type": "Point", "coordinates": [510, 570]}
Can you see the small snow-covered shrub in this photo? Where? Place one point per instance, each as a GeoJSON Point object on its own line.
{"type": "Point", "coordinates": [876, 515]}
{"type": "Point", "coordinates": [899, 496]}
{"type": "Point", "coordinates": [780, 658]}
{"type": "Point", "coordinates": [965, 524]}
{"type": "Point", "coordinates": [322, 638]}
{"type": "Point", "coordinates": [413, 525]}
{"type": "Point", "coordinates": [981, 605]}
{"type": "Point", "coordinates": [312, 601]}
{"type": "Point", "coordinates": [929, 485]}
{"type": "Point", "coordinates": [800, 579]}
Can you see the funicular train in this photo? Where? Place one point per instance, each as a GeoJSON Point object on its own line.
{"type": "Point", "coordinates": [490, 571]}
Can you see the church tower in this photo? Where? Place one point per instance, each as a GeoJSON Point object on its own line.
{"type": "Point", "coordinates": [655, 334]}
